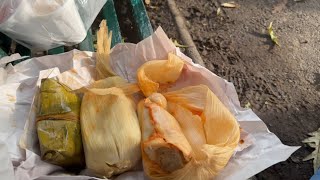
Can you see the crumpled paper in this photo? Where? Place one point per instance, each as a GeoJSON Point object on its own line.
{"type": "Point", "coordinates": [18, 89]}
{"type": "Point", "coordinates": [6, 168]}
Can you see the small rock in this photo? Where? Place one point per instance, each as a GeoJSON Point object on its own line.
{"type": "Point", "coordinates": [204, 52]}
{"type": "Point", "coordinates": [295, 159]}
{"type": "Point", "coordinates": [303, 41]}
{"type": "Point", "coordinates": [210, 66]}
{"type": "Point", "coordinates": [295, 43]}
{"type": "Point", "coordinates": [186, 14]}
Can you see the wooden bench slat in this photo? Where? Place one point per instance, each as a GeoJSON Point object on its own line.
{"type": "Point", "coordinates": [56, 50]}
{"type": "Point", "coordinates": [23, 51]}
{"type": "Point", "coordinates": [141, 19]}
{"type": "Point", "coordinates": [5, 44]}
{"type": "Point", "coordinates": [109, 13]}
{"type": "Point", "coordinates": [2, 53]}
{"type": "Point", "coordinates": [87, 43]}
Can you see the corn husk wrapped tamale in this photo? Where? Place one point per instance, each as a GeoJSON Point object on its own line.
{"type": "Point", "coordinates": [165, 149]}
{"type": "Point", "coordinates": [186, 134]}
{"type": "Point", "coordinates": [58, 125]}
{"type": "Point", "coordinates": [110, 128]}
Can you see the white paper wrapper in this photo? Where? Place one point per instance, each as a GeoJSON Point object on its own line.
{"type": "Point", "coordinates": [6, 168]}
{"type": "Point", "coordinates": [260, 150]}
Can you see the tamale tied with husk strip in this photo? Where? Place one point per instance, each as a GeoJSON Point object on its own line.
{"type": "Point", "coordinates": [186, 133]}
{"type": "Point", "coordinates": [58, 125]}
{"type": "Point", "coordinates": [110, 128]}
{"type": "Point", "coordinates": [109, 123]}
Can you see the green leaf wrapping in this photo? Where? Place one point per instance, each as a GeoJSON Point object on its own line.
{"type": "Point", "coordinates": [58, 125]}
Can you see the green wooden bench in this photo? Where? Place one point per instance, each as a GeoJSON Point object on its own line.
{"type": "Point", "coordinates": [139, 17]}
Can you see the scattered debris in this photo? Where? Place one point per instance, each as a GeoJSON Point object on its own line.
{"type": "Point", "coordinates": [295, 159]}
{"type": "Point", "coordinates": [219, 11]}
{"type": "Point", "coordinates": [303, 41]}
{"type": "Point", "coordinates": [13, 47]}
{"type": "Point", "coordinates": [231, 4]}
{"type": "Point", "coordinates": [314, 142]}
{"type": "Point", "coordinates": [273, 37]}
{"type": "Point", "coordinates": [248, 105]}
{"type": "Point", "coordinates": [279, 6]}
{"type": "Point", "coordinates": [152, 7]}
{"type": "Point", "coordinates": [177, 44]}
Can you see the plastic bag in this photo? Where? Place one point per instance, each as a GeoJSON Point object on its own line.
{"type": "Point", "coordinates": [46, 24]}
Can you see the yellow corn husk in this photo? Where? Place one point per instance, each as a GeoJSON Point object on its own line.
{"type": "Point", "coordinates": [164, 147]}
{"type": "Point", "coordinates": [103, 52]}
{"type": "Point", "coordinates": [196, 133]}
{"type": "Point", "coordinates": [58, 125]}
{"type": "Point", "coordinates": [197, 106]}
{"type": "Point", "coordinates": [110, 128]}
{"type": "Point", "coordinates": [186, 134]}
{"type": "Point", "coordinates": [154, 73]}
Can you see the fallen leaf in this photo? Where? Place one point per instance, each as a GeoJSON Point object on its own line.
{"type": "Point", "coordinates": [231, 4]}
{"type": "Point", "coordinates": [248, 105]}
{"type": "Point", "coordinates": [314, 142]}
{"type": "Point", "coordinates": [273, 37]}
{"type": "Point", "coordinates": [147, 2]}
{"type": "Point", "coordinates": [124, 39]}
{"type": "Point", "coordinates": [11, 98]}
{"type": "Point", "coordinates": [218, 11]}
{"type": "Point", "coordinates": [153, 7]}
{"type": "Point", "coordinates": [175, 42]}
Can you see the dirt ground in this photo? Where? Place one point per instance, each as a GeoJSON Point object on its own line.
{"type": "Point", "coordinates": [282, 84]}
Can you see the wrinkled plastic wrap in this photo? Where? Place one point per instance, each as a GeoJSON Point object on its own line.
{"type": "Point", "coordinates": [46, 24]}
{"type": "Point", "coordinates": [19, 87]}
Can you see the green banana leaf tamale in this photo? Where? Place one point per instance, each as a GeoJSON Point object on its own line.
{"type": "Point", "coordinates": [58, 125]}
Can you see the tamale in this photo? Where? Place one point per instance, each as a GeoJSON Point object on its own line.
{"type": "Point", "coordinates": [164, 148]}
{"type": "Point", "coordinates": [210, 128]}
{"type": "Point", "coordinates": [187, 134]}
{"type": "Point", "coordinates": [58, 125]}
{"type": "Point", "coordinates": [152, 74]}
{"type": "Point", "coordinates": [110, 128]}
